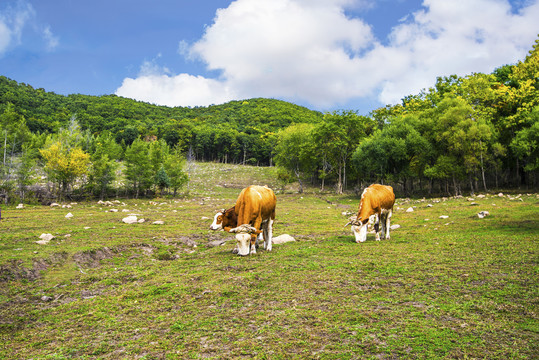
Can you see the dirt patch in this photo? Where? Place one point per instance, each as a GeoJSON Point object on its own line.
{"type": "Point", "coordinates": [15, 270]}
{"type": "Point", "coordinates": [92, 258]}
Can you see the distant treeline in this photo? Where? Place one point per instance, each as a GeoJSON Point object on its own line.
{"type": "Point", "coordinates": [470, 133]}
{"type": "Point", "coordinates": [235, 132]}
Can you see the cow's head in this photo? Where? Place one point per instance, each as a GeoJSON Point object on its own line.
{"type": "Point", "coordinates": [359, 228]}
{"type": "Point", "coordinates": [244, 237]}
{"type": "Point", "coordinates": [224, 218]}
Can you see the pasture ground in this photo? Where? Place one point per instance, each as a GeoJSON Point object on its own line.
{"type": "Point", "coordinates": [453, 288]}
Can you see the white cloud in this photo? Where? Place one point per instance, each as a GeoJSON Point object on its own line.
{"type": "Point", "coordinates": [51, 40]}
{"type": "Point", "coordinates": [13, 20]}
{"type": "Point", "coordinates": [178, 90]}
{"type": "Point", "coordinates": [311, 51]}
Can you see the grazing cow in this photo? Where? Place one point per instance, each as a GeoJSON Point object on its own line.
{"type": "Point", "coordinates": [255, 213]}
{"type": "Point", "coordinates": [225, 220]}
{"type": "Point", "coordinates": [376, 200]}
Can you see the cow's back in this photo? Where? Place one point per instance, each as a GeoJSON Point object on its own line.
{"type": "Point", "coordinates": [255, 201]}
{"type": "Point", "coordinates": [381, 196]}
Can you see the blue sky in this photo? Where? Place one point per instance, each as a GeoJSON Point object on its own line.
{"type": "Point", "coordinates": [324, 54]}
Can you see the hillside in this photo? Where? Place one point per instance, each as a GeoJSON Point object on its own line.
{"type": "Point", "coordinates": [127, 119]}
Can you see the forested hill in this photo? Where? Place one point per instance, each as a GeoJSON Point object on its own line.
{"type": "Point", "coordinates": [239, 124]}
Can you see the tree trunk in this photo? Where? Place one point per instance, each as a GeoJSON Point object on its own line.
{"type": "Point", "coordinates": [299, 181]}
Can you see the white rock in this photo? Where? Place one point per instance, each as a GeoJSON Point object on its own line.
{"type": "Point", "coordinates": [46, 237]}
{"type": "Point", "coordinates": [500, 194]}
{"type": "Point", "coordinates": [410, 209]}
{"type": "Point", "coordinates": [481, 196]}
{"type": "Point", "coordinates": [281, 239]}
{"type": "Point", "coordinates": [113, 210]}
{"type": "Point", "coordinates": [125, 210]}
{"type": "Point", "coordinates": [69, 215]}
{"type": "Point", "coordinates": [394, 227]}
{"type": "Point", "coordinates": [140, 221]}
{"type": "Point", "coordinates": [482, 214]}
{"type": "Point", "coordinates": [158, 222]}
{"type": "Point", "coordinates": [204, 218]}
{"type": "Point", "coordinates": [430, 205]}
{"type": "Point", "coordinates": [444, 217]}
{"type": "Point", "coordinates": [20, 206]}
{"type": "Point", "coordinates": [130, 219]}
{"type": "Point", "coordinates": [55, 204]}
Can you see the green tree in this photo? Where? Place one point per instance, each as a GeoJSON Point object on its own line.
{"type": "Point", "coordinates": [138, 167]}
{"type": "Point", "coordinates": [104, 155]}
{"type": "Point", "coordinates": [162, 181]}
{"type": "Point", "coordinates": [337, 137]}
{"type": "Point", "coordinates": [295, 151]}
{"type": "Point", "coordinates": [65, 160]}
{"type": "Point", "coordinates": [174, 165]}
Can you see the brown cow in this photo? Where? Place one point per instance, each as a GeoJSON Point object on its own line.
{"type": "Point", "coordinates": [225, 220]}
{"type": "Point", "coordinates": [376, 200]}
{"type": "Point", "coordinates": [255, 211]}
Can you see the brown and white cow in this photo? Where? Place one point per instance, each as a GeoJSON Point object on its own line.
{"type": "Point", "coordinates": [255, 212]}
{"type": "Point", "coordinates": [377, 200]}
{"type": "Point", "coordinates": [226, 220]}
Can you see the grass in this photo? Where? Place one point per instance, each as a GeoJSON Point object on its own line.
{"type": "Point", "coordinates": [460, 287]}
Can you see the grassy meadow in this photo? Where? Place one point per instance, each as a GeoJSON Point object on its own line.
{"type": "Point", "coordinates": [442, 288]}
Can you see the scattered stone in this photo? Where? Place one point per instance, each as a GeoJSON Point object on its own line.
{"type": "Point", "coordinates": [430, 205]}
{"type": "Point", "coordinates": [46, 298]}
{"type": "Point", "coordinates": [500, 194]}
{"type": "Point", "coordinates": [473, 204]}
{"type": "Point", "coordinates": [46, 237]}
{"type": "Point", "coordinates": [67, 236]}
{"type": "Point", "coordinates": [395, 227]}
{"type": "Point", "coordinates": [444, 217]}
{"type": "Point", "coordinates": [216, 243]}
{"type": "Point", "coordinates": [125, 210]}
{"type": "Point", "coordinates": [158, 222]}
{"type": "Point", "coordinates": [410, 209]}
{"type": "Point", "coordinates": [482, 214]}
{"type": "Point", "coordinates": [140, 221]}
{"type": "Point", "coordinates": [131, 219]}
{"type": "Point", "coordinates": [281, 239]}
{"type": "Point", "coordinates": [113, 210]}
{"type": "Point", "coordinates": [55, 204]}
{"type": "Point", "coordinates": [20, 206]}
{"type": "Point", "coordinates": [69, 215]}
{"type": "Point", "coordinates": [471, 199]}
{"type": "Point", "coordinates": [205, 218]}
{"type": "Point", "coordinates": [66, 206]}
{"type": "Point", "coordinates": [87, 227]}
{"type": "Point", "coordinates": [481, 196]}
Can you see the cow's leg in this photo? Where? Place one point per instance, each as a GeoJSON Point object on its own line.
{"type": "Point", "coordinates": [268, 234]}
{"type": "Point", "coordinates": [379, 219]}
{"type": "Point", "coordinates": [383, 217]}
{"type": "Point", "coordinates": [388, 224]}
{"type": "Point", "coordinates": [254, 243]}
